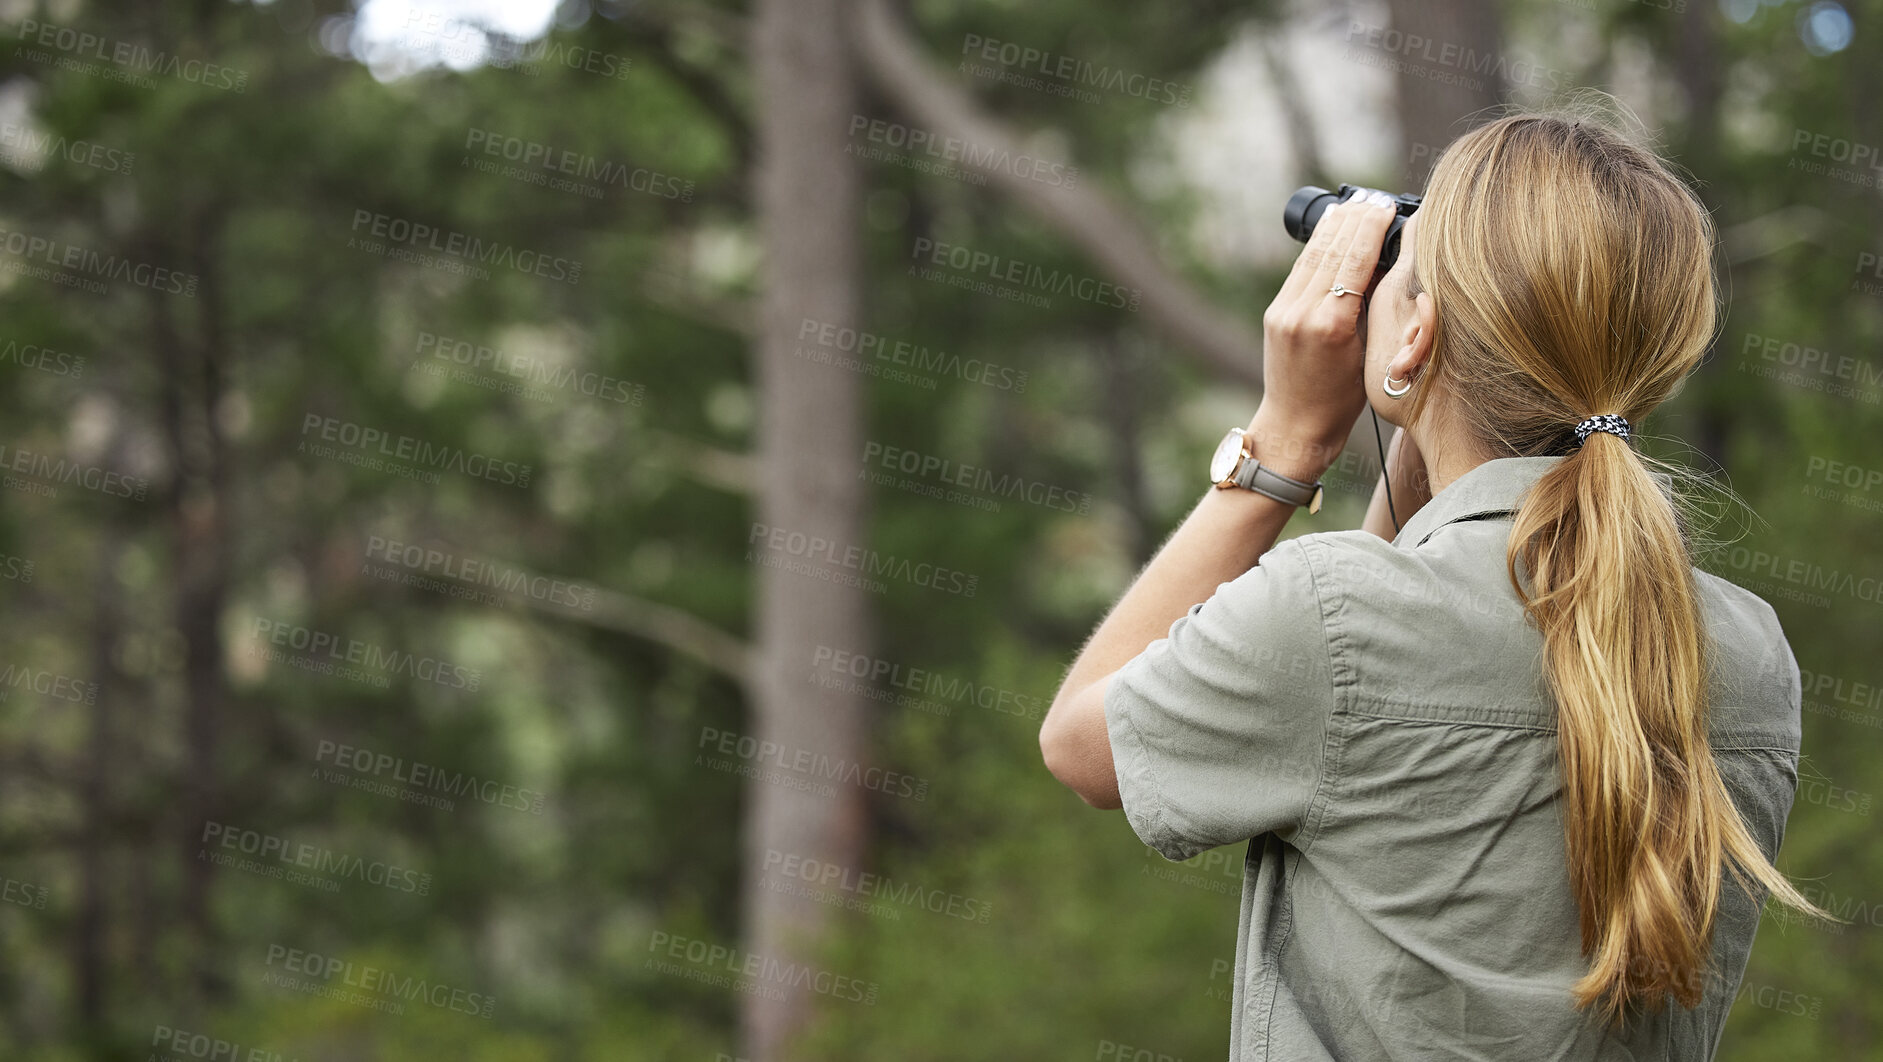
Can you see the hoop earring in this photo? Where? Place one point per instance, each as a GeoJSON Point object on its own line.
{"type": "Point", "coordinates": [1403, 390]}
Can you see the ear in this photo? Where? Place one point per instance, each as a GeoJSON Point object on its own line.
{"type": "Point", "coordinates": [1415, 347]}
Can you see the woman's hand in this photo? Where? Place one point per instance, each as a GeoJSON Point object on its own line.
{"type": "Point", "coordinates": [1311, 343]}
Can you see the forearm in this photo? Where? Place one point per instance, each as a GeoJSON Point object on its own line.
{"type": "Point", "coordinates": [1379, 519]}
{"type": "Point", "coordinates": [1223, 537]}
{"type": "Point", "coordinates": [1411, 488]}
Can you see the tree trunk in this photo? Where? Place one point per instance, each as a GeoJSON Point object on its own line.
{"type": "Point", "coordinates": [90, 929]}
{"type": "Point", "coordinates": [1696, 66]}
{"type": "Point", "coordinates": [810, 438]}
{"type": "Point", "coordinates": [1431, 111]}
{"type": "Point", "coordinates": [200, 549]}
{"type": "Point", "coordinates": [1124, 397]}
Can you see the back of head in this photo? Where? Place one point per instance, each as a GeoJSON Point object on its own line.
{"type": "Point", "coordinates": [1571, 275]}
{"type": "Point", "coordinates": [1555, 247]}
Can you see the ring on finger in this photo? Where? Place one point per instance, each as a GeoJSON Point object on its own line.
{"type": "Point", "coordinates": [1340, 289]}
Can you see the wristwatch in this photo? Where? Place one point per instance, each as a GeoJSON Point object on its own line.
{"type": "Point", "coordinates": [1234, 466]}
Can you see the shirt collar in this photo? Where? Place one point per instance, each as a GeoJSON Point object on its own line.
{"type": "Point", "coordinates": [1494, 488]}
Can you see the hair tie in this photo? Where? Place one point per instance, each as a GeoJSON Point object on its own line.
{"type": "Point", "coordinates": [1608, 422]}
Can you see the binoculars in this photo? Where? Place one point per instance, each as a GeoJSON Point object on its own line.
{"type": "Point", "coordinates": [1306, 206]}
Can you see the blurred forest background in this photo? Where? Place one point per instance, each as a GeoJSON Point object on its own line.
{"type": "Point", "coordinates": [546, 532]}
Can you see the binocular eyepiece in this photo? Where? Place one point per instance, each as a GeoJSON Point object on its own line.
{"type": "Point", "coordinates": [1306, 206]}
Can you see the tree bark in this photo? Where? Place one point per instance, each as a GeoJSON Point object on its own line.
{"type": "Point", "coordinates": [1289, 97]}
{"type": "Point", "coordinates": [198, 504]}
{"type": "Point", "coordinates": [1434, 110]}
{"type": "Point", "coordinates": [809, 434]}
{"type": "Point", "coordinates": [1125, 389]}
{"type": "Point", "coordinates": [1696, 66]}
{"type": "Point", "coordinates": [90, 929]}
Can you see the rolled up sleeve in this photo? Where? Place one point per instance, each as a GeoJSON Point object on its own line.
{"type": "Point", "coordinates": [1218, 730]}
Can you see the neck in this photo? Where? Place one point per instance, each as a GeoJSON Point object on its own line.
{"type": "Point", "coordinates": [1448, 448]}
{"type": "Point", "coordinates": [1443, 473]}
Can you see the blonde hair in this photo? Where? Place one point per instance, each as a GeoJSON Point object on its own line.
{"type": "Point", "coordinates": [1571, 272]}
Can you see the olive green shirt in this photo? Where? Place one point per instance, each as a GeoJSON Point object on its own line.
{"type": "Point", "coordinates": [1371, 716]}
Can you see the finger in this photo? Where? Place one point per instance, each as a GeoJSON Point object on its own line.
{"type": "Point", "coordinates": [1301, 279]}
{"type": "Point", "coordinates": [1329, 266]}
{"type": "Point", "coordinates": [1311, 256]}
{"type": "Point", "coordinates": [1362, 251]}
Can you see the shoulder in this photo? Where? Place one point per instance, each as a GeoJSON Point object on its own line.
{"type": "Point", "coordinates": [1344, 556]}
{"type": "Point", "coordinates": [1756, 692]}
{"type": "Point", "coordinates": [1341, 559]}
{"type": "Point", "coordinates": [1363, 575]}
{"type": "Point", "coordinates": [1312, 572]}
{"type": "Point", "coordinates": [1284, 584]}
{"type": "Point", "coordinates": [1736, 610]}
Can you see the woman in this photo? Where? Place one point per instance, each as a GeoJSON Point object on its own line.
{"type": "Point", "coordinates": [1514, 776]}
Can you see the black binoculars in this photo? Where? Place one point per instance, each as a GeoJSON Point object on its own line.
{"type": "Point", "coordinates": [1306, 206]}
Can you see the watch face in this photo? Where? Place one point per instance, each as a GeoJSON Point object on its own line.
{"type": "Point", "coordinates": [1228, 453]}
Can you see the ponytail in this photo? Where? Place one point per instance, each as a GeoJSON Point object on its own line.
{"type": "Point", "coordinates": [1571, 273]}
{"type": "Point", "coordinates": [1646, 816]}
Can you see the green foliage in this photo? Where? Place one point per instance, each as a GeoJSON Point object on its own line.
{"type": "Point", "coordinates": [1088, 937]}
